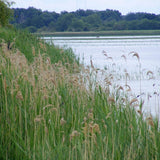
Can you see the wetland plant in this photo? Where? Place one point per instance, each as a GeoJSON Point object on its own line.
{"type": "Point", "coordinates": [47, 112]}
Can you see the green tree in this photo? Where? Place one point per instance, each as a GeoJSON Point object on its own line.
{"type": "Point", "coordinates": [64, 21]}
{"type": "Point", "coordinates": [76, 25]}
{"type": "Point", "coordinates": [94, 21]}
{"type": "Point", "coordinates": [5, 12]}
{"type": "Point", "coordinates": [122, 25]}
{"type": "Point", "coordinates": [110, 15]}
{"type": "Point", "coordinates": [83, 20]}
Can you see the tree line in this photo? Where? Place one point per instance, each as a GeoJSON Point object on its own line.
{"type": "Point", "coordinates": [36, 20]}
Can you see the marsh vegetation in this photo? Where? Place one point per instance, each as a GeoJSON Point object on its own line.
{"type": "Point", "coordinates": [134, 56]}
{"type": "Point", "coordinates": [52, 107]}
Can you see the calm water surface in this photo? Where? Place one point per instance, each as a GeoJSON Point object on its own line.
{"type": "Point", "coordinates": [114, 54]}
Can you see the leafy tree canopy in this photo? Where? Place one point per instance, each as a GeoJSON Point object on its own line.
{"type": "Point", "coordinates": [83, 20]}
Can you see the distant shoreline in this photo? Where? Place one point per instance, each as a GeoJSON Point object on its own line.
{"type": "Point", "coordinates": [101, 33]}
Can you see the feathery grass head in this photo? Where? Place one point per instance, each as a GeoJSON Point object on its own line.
{"type": "Point", "coordinates": [49, 111]}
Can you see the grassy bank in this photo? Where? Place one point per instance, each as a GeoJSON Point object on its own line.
{"type": "Point", "coordinates": [102, 33]}
{"type": "Point", "coordinates": [30, 46]}
{"type": "Point", "coordinates": [50, 109]}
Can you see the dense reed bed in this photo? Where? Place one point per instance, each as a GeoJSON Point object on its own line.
{"type": "Point", "coordinates": [51, 108]}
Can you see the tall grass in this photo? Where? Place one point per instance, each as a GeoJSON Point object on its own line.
{"type": "Point", "coordinates": [31, 46]}
{"type": "Point", "coordinates": [47, 112]}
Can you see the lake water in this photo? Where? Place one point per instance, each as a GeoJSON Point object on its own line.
{"type": "Point", "coordinates": [136, 58]}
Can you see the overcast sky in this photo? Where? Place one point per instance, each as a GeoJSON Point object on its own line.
{"type": "Point", "coordinates": [124, 6]}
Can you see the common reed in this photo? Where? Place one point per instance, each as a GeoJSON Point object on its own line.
{"type": "Point", "coordinates": [47, 110]}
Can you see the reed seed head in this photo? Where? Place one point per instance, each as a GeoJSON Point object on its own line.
{"type": "Point", "coordinates": [136, 55]}
{"type": "Point", "coordinates": [140, 112]}
{"type": "Point", "coordinates": [123, 56]}
{"type": "Point", "coordinates": [111, 100]}
{"type": "Point", "coordinates": [90, 115]}
{"type": "Point", "coordinates": [120, 88]}
{"type": "Point", "coordinates": [150, 121]}
{"type": "Point", "coordinates": [33, 51]}
{"type": "Point", "coordinates": [149, 72]}
{"type": "Point", "coordinates": [62, 121]}
{"type": "Point", "coordinates": [74, 134]}
{"type": "Point", "coordinates": [39, 118]}
{"type": "Point", "coordinates": [133, 101]}
{"type": "Point", "coordinates": [19, 95]}
{"type": "Point", "coordinates": [96, 128]}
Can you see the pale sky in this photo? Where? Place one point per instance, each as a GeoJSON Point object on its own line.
{"type": "Point", "coordinates": [124, 6]}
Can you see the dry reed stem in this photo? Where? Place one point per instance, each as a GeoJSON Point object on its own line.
{"type": "Point", "coordinates": [92, 66]}
{"type": "Point", "coordinates": [5, 84]}
{"type": "Point", "coordinates": [108, 115]}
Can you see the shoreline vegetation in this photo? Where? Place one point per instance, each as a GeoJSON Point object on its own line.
{"type": "Point", "coordinates": [52, 108]}
{"type": "Point", "coordinates": [101, 33]}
